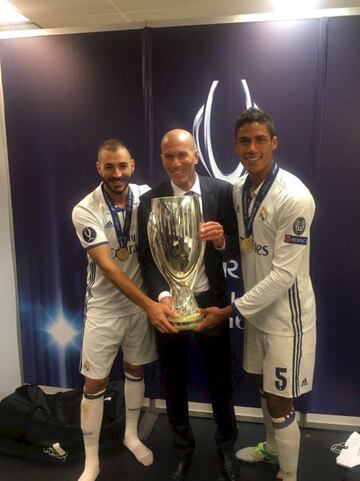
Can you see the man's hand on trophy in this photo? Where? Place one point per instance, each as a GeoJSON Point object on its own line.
{"type": "Point", "coordinates": [212, 317]}
{"type": "Point", "coordinates": [158, 315]}
{"type": "Point", "coordinates": [166, 300]}
{"type": "Point", "coordinates": [213, 231]}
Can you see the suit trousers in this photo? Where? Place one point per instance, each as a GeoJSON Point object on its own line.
{"type": "Point", "coordinates": [214, 346]}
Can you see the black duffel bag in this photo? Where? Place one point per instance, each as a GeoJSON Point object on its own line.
{"type": "Point", "coordinates": [46, 427]}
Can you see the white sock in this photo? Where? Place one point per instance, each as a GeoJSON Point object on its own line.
{"type": "Point", "coordinates": [92, 408]}
{"type": "Point", "coordinates": [270, 437]}
{"type": "Point", "coordinates": [134, 398]}
{"type": "Point", "coordinates": [287, 437]}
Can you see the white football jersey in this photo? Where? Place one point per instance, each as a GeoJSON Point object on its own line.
{"type": "Point", "coordinates": [94, 226]}
{"type": "Point", "coordinates": [279, 297]}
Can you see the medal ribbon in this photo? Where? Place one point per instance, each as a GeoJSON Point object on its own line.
{"type": "Point", "coordinates": [246, 198]}
{"type": "Point", "coordinates": [122, 234]}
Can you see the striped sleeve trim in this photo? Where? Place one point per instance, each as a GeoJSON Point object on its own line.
{"type": "Point", "coordinates": [96, 245]}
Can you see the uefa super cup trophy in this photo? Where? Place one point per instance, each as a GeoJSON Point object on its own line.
{"type": "Point", "coordinates": [173, 231]}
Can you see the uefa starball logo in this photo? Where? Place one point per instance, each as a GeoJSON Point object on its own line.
{"type": "Point", "coordinates": [202, 134]}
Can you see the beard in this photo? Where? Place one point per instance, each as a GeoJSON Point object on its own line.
{"type": "Point", "coordinates": [115, 186]}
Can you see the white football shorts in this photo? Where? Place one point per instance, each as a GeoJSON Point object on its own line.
{"type": "Point", "coordinates": [285, 362]}
{"type": "Point", "coordinates": [103, 338]}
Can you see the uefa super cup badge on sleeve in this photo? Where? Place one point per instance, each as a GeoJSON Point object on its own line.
{"type": "Point", "coordinates": [173, 230]}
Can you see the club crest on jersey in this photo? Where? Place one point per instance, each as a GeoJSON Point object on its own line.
{"type": "Point", "coordinates": [89, 234]}
{"type": "Point", "coordinates": [263, 214]}
{"type": "Point", "coordinates": [299, 225]}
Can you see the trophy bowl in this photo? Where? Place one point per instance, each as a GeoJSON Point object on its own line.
{"type": "Point", "coordinates": [173, 232]}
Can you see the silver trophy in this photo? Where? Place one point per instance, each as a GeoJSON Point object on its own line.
{"type": "Point", "coordinates": [173, 231]}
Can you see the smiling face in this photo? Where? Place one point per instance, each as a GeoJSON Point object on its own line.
{"type": "Point", "coordinates": [255, 146]}
{"type": "Point", "coordinates": [179, 157]}
{"type": "Point", "coordinates": [115, 167]}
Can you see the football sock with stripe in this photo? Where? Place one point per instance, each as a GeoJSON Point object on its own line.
{"type": "Point", "coordinates": [92, 408]}
{"type": "Point", "coordinates": [134, 397]}
{"type": "Point", "coordinates": [287, 437]}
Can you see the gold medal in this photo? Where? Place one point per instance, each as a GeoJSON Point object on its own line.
{"type": "Point", "coordinates": [247, 244]}
{"type": "Point", "coordinates": [122, 254]}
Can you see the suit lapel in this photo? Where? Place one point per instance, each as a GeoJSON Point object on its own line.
{"type": "Point", "coordinates": [207, 198]}
{"type": "Point", "coordinates": [164, 190]}
{"type": "Point", "coordinates": [169, 190]}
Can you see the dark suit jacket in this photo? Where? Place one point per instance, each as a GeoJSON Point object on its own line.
{"type": "Point", "coordinates": [217, 206]}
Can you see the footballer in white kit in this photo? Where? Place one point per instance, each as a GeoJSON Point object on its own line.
{"type": "Point", "coordinates": [279, 299]}
{"type": "Point", "coordinates": [274, 211]}
{"type": "Point", "coordinates": [116, 307]}
{"type": "Point", "coordinates": [111, 318]}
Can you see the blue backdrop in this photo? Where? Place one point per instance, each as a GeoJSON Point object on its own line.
{"type": "Point", "coordinates": [65, 94]}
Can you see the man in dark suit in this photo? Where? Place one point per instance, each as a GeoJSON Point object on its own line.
{"type": "Point", "coordinates": [179, 157]}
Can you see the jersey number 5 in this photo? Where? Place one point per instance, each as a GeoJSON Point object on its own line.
{"type": "Point", "coordinates": [281, 382]}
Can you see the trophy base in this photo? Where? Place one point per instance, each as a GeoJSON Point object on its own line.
{"type": "Point", "coordinates": [186, 323]}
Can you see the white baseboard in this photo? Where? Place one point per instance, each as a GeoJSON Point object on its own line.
{"type": "Point", "coordinates": [329, 421]}
{"type": "Point", "coordinates": [52, 389]}
{"type": "Point", "coordinates": [254, 415]}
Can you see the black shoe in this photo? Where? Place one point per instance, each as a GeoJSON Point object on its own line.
{"type": "Point", "coordinates": [229, 465]}
{"type": "Point", "coordinates": [180, 470]}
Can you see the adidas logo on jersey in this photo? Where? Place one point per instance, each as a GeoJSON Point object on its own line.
{"type": "Point", "coordinates": [108, 225]}
{"type": "Point", "coordinates": [304, 382]}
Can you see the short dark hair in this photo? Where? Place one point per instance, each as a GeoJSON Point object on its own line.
{"type": "Point", "coordinates": [255, 115]}
{"type": "Point", "coordinates": [113, 145]}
